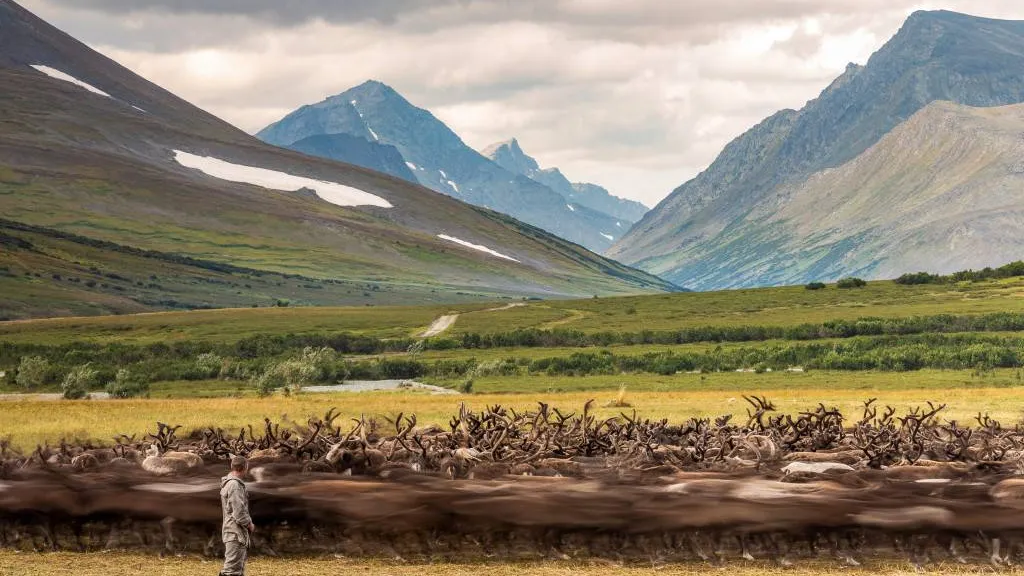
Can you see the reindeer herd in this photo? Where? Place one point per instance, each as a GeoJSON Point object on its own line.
{"type": "Point", "coordinates": [543, 483]}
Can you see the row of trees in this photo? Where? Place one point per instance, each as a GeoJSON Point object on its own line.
{"type": "Point", "coordinates": [35, 372]}
{"type": "Point", "coordinates": [1011, 270]}
{"type": "Point", "coordinates": [191, 360]}
{"type": "Point", "coordinates": [323, 365]}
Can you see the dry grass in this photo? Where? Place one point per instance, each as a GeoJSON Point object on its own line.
{"type": "Point", "coordinates": [32, 422]}
{"type": "Point", "coordinates": [130, 564]}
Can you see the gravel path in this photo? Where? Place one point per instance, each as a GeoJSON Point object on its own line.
{"type": "Point", "coordinates": [375, 385]}
{"type": "Point", "coordinates": [50, 397]}
{"type": "Point", "coordinates": [350, 386]}
{"type": "Point", "coordinates": [445, 322]}
{"type": "Point", "coordinates": [440, 325]}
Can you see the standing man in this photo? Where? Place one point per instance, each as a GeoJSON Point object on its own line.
{"type": "Point", "coordinates": [237, 528]}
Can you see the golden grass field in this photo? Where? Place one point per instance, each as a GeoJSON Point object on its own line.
{"type": "Point", "coordinates": [117, 564]}
{"type": "Point", "coordinates": [30, 422]}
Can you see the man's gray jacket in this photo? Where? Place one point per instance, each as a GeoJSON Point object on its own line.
{"type": "Point", "coordinates": [234, 501]}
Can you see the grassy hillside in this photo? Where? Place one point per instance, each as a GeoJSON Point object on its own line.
{"type": "Point", "coordinates": [104, 169]}
{"type": "Point", "coordinates": [786, 306]}
{"type": "Point", "coordinates": [48, 273]}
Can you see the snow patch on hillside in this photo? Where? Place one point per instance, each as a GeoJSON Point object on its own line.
{"type": "Point", "coordinates": [443, 175]}
{"type": "Point", "coordinates": [54, 73]}
{"type": "Point", "coordinates": [372, 133]}
{"type": "Point", "coordinates": [569, 206]}
{"type": "Point", "coordinates": [609, 237]}
{"type": "Point", "coordinates": [412, 166]}
{"type": "Point", "coordinates": [619, 224]}
{"type": "Point", "coordinates": [334, 193]}
{"type": "Point", "coordinates": [453, 185]}
{"type": "Point", "coordinates": [475, 247]}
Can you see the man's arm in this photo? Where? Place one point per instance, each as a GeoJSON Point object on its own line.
{"type": "Point", "coordinates": [239, 505]}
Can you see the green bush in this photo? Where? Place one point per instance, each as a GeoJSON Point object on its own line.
{"type": "Point", "coordinates": [506, 367]}
{"type": "Point", "coordinates": [32, 372]}
{"type": "Point", "coordinates": [851, 283]}
{"type": "Point", "coordinates": [78, 381]}
{"type": "Point", "coordinates": [268, 381]}
{"type": "Point", "coordinates": [815, 286]}
{"type": "Point", "coordinates": [313, 365]}
{"type": "Point", "coordinates": [209, 365]}
{"type": "Point", "coordinates": [127, 385]}
{"type": "Point", "coordinates": [918, 278]}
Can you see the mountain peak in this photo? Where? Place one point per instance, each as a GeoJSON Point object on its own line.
{"type": "Point", "coordinates": [510, 156]}
{"type": "Point", "coordinates": [372, 90]}
{"type": "Point", "coordinates": [695, 235]}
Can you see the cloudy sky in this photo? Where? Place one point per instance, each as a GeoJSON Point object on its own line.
{"type": "Point", "coordinates": [636, 95]}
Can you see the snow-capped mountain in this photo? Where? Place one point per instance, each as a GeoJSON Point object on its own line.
{"type": "Point", "coordinates": [440, 160]}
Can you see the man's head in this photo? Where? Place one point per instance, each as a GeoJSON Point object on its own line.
{"type": "Point", "coordinates": [239, 465]}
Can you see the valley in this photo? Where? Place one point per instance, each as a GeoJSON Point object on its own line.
{"type": "Point", "coordinates": [440, 353]}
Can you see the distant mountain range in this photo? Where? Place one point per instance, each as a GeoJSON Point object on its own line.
{"type": "Point", "coordinates": [510, 156]}
{"type": "Point", "coordinates": [381, 119]}
{"type": "Point", "coordinates": [117, 196]}
{"type": "Point", "coordinates": [899, 165]}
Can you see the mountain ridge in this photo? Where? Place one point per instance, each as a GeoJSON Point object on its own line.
{"type": "Point", "coordinates": [935, 56]}
{"type": "Point", "coordinates": [509, 154]}
{"type": "Point", "coordinates": [440, 159]}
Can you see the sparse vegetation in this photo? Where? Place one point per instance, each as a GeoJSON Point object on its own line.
{"type": "Point", "coordinates": [620, 399]}
{"type": "Point", "coordinates": [851, 283]}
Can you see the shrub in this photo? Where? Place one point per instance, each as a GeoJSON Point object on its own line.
{"type": "Point", "coordinates": [851, 283]}
{"type": "Point", "coordinates": [918, 278]}
{"type": "Point", "coordinates": [815, 286]}
{"type": "Point", "coordinates": [268, 381]}
{"type": "Point", "coordinates": [32, 372]}
{"type": "Point", "coordinates": [209, 365]}
{"type": "Point", "coordinates": [506, 367]}
{"type": "Point", "coordinates": [466, 387]}
{"type": "Point", "coordinates": [127, 385]}
{"type": "Point", "coordinates": [620, 399]}
{"type": "Point", "coordinates": [313, 365]}
{"type": "Point", "coordinates": [78, 381]}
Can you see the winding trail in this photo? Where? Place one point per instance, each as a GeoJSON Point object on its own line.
{"type": "Point", "coordinates": [574, 316]}
{"type": "Point", "coordinates": [440, 325]}
{"type": "Point", "coordinates": [443, 323]}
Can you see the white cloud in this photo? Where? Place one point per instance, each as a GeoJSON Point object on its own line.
{"type": "Point", "coordinates": [636, 96]}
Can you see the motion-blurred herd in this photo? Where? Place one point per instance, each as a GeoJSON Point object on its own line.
{"type": "Point", "coordinates": [543, 483]}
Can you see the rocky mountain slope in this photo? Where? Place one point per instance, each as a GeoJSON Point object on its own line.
{"type": "Point", "coordinates": [104, 175]}
{"type": "Point", "coordinates": [510, 156]}
{"type": "Point", "coordinates": [440, 160]}
{"type": "Point", "coordinates": [729, 227]}
{"type": "Point", "coordinates": [358, 151]}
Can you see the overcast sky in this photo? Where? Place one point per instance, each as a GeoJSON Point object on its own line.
{"type": "Point", "coordinates": [635, 95]}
